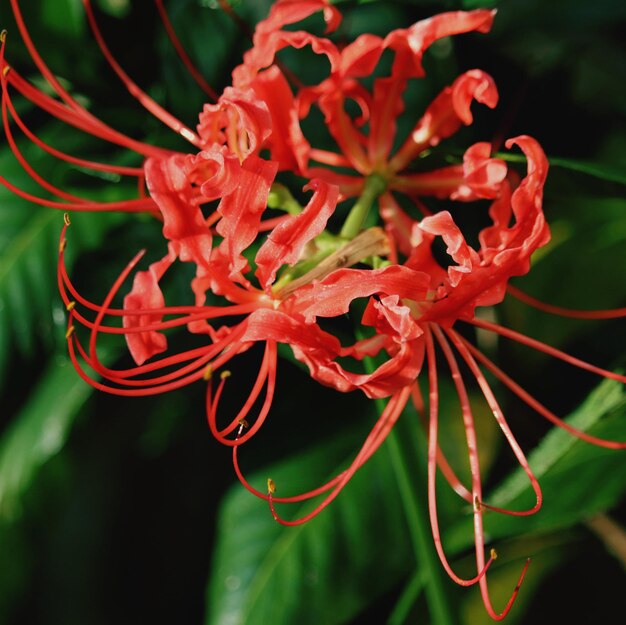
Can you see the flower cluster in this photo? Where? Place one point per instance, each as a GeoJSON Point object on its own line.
{"type": "Point", "coordinates": [277, 277]}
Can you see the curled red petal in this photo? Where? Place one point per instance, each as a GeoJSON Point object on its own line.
{"type": "Point", "coordinates": [240, 119]}
{"type": "Point", "coordinates": [446, 113]}
{"type": "Point", "coordinates": [483, 175]}
{"type": "Point", "coordinates": [332, 296]}
{"type": "Point", "coordinates": [145, 295]}
{"type": "Point", "coordinates": [466, 258]}
{"type": "Point", "coordinates": [241, 210]}
{"type": "Point", "coordinates": [285, 243]}
{"type": "Point", "coordinates": [183, 224]}
{"type": "Point", "coordinates": [505, 249]}
{"type": "Point", "coordinates": [287, 144]}
{"type": "Point", "coordinates": [411, 43]}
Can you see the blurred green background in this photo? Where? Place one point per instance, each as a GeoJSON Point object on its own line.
{"type": "Point", "coordinates": [126, 511]}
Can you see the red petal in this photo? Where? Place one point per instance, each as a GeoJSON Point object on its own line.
{"type": "Point", "coordinates": [287, 144]}
{"type": "Point", "coordinates": [411, 43]}
{"type": "Point", "coordinates": [466, 258]}
{"type": "Point", "coordinates": [183, 224]}
{"type": "Point", "coordinates": [332, 296]}
{"type": "Point", "coordinates": [505, 250]}
{"type": "Point", "coordinates": [146, 294]}
{"type": "Point", "coordinates": [241, 210]}
{"type": "Point", "coordinates": [239, 119]}
{"type": "Point", "coordinates": [285, 243]}
{"type": "Point", "coordinates": [446, 113]}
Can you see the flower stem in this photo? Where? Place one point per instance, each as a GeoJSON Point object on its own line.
{"type": "Point", "coordinates": [280, 198]}
{"type": "Point", "coordinates": [416, 514]}
{"type": "Point", "coordinates": [374, 186]}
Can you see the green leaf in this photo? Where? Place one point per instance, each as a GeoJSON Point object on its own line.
{"type": "Point", "coordinates": [31, 312]}
{"type": "Point", "coordinates": [39, 431]}
{"type": "Point", "coordinates": [469, 5]}
{"type": "Point", "coordinates": [598, 170]}
{"type": "Point", "coordinates": [116, 8]}
{"type": "Point", "coordinates": [578, 479]}
{"type": "Point", "coordinates": [66, 17]}
{"type": "Point", "coordinates": [321, 572]}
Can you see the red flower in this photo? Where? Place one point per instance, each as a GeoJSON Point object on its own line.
{"type": "Point", "coordinates": [275, 287]}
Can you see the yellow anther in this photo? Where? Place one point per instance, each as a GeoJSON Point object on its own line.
{"type": "Point", "coordinates": [62, 246]}
{"type": "Point", "coordinates": [271, 487]}
{"type": "Point", "coordinates": [243, 423]}
{"type": "Point", "coordinates": [70, 306]}
{"type": "Point", "coordinates": [66, 219]}
{"type": "Point", "coordinates": [5, 70]}
{"type": "Point", "coordinates": [225, 374]}
{"type": "Point", "coordinates": [3, 35]}
{"type": "Point", "coordinates": [494, 554]}
{"type": "Point", "coordinates": [208, 373]}
{"type": "Point", "coordinates": [69, 332]}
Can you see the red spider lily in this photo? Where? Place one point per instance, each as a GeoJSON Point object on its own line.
{"type": "Point", "coordinates": [301, 272]}
{"type": "Point", "coordinates": [370, 154]}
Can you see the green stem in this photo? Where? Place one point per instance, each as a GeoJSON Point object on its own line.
{"type": "Point", "coordinates": [374, 186]}
{"type": "Point", "coordinates": [416, 513]}
{"type": "Point", "coordinates": [280, 198]}
{"type": "Point", "coordinates": [402, 609]}
{"type": "Point", "coordinates": [419, 526]}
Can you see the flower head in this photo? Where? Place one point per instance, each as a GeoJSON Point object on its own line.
{"type": "Point", "coordinates": [268, 279]}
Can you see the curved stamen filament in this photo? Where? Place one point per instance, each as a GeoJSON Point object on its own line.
{"type": "Point", "coordinates": [71, 112]}
{"type": "Point", "coordinates": [87, 164]}
{"type": "Point", "coordinates": [479, 540]}
{"type": "Point", "coordinates": [141, 96]}
{"type": "Point", "coordinates": [376, 437]}
{"type": "Point", "coordinates": [546, 349]}
{"type": "Point", "coordinates": [539, 407]}
{"type": "Point", "coordinates": [184, 57]}
{"type": "Point", "coordinates": [610, 313]}
{"type": "Point", "coordinates": [267, 373]}
{"type": "Point", "coordinates": [378, 434]}
{"type": "Point", "coordinates": [432, 460]}
{"type": "Point", "coordinates": [442, 462]}
{"type": "Point", "coordinates": [504, 426]}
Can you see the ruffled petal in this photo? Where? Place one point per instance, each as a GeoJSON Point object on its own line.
{"type": "Point", "coordinates": [144, 295]}
{"type": "Point", "coordinates": [332, 296]}
{"type": "Point", "coordinates": [446, 113]}
{"type": "Point", "coordinates": [183, 224]}
{"type": "Point", "coordinates": [480, 177]}
{"type": "Point", "coordinates": [466, 258]}
{"type": "Point", "coordinates": [240, 120]}
{"type": "Point", "coordinates": [287, 144]}
{"type": "Point", "coordinates": [411, 43]}
{"type": "Point", "coordinates": [505, 249]}
{"type": "Point", "coordinates": [241, 210]}
{"type": "Point", "coordinates": [285, 243]}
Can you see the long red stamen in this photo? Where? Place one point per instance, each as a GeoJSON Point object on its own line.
{"type": "Point", "coordinates": [267, 373]}
{"type": "Point", "coordinates": [127, 206]}
{"type": "Point", "coordinates": [378, 434]}
{"type": "Point", "coordinates": [504, 426]}
{"type": "Point", "coordinates": [539, 407]}
{"type": "Point", "coordinates": [610, 313]}
{"type": "Point", "coordinates": [93, 165]}
{"type": "Point", "coordinates": [442, 462]}
{"type": "Point", "coordinates": [72, 110]}
{"type": "Point", "coordinates": [184, 57]}
{"type": "Point", "coordinates": [478, 521]}
{"type": "Point", "coordinates": [141, 96]}
{"type": "Point", "coordinates": [546, 349]}
{"type": "Point", "coordinates": [90, 125]}
{"type": "Point", "coordinates": [432, 462]}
